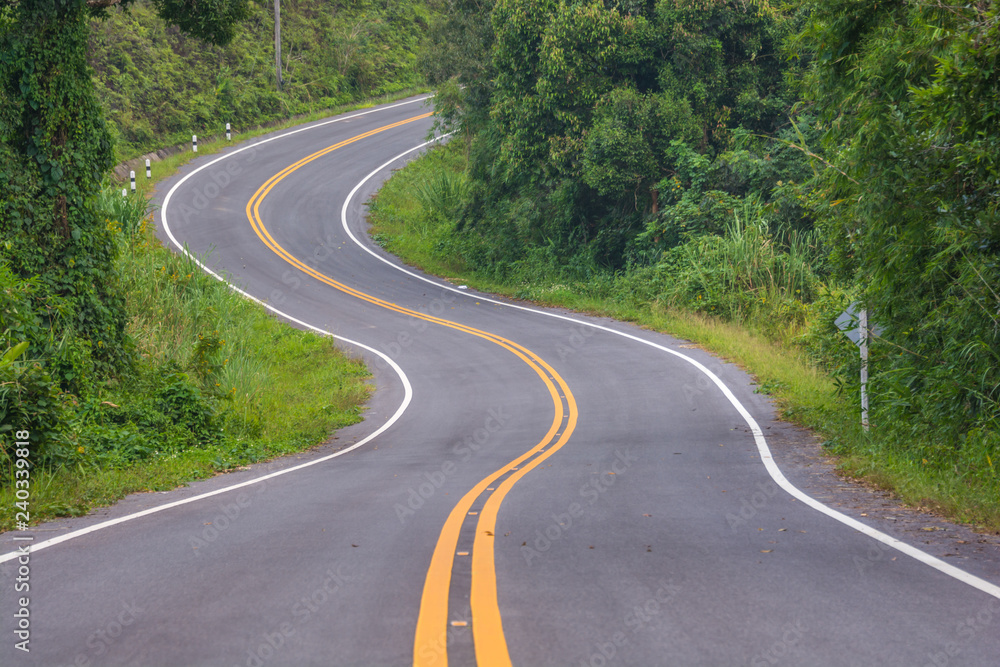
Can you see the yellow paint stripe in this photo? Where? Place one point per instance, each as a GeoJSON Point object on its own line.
{"type": "Point", "coordinates": [487, 630]}
{"type": "Point", "coordinates": [430, 642]}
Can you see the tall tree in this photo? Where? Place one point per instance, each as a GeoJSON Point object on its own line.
{"type": "Point", "coordinates": [589, 99]}
{"type": "Point", "coordinates": [57, 149]}
{"type": "Point", "coordinates": [907, 192]}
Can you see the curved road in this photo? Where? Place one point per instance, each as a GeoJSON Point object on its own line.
{"type": "Point", "coordinates": [530, 487]}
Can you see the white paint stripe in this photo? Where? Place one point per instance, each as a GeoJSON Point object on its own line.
{"type": "Point", "coordinates": [407, 388]}
{"type": "Point", "coordinates": [762, 447]}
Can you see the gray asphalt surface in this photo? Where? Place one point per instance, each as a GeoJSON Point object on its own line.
{"type": "Point", "coordinates": [689, 554]}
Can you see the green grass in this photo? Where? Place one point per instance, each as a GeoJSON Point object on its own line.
{"type": "Point", "coordinates": [407, 223]}
{"type": "Point", "coordinates": [295, 379]}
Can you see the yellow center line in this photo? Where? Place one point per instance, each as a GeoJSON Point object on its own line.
{"type": "Point", "coordinates": [430, 641]}
{"type": "Point", "coordinates": [491, 646]}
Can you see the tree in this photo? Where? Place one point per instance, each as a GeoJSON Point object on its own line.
{"type": "Point", "coordinates": [907, 193]}
{"type": "Point", "coordinates": [459, 52]}
{"type": "Point", "coordinates": [628, 145]}
{"type": "Point", "coordinates": [57, 149]}
{"type": "Point", "coordinates": [589, 99]}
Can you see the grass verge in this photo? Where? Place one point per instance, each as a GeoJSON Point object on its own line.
{"type": "Point", "coordinates": [409, 218]}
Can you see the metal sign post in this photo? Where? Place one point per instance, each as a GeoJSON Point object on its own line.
{"type": "Point", "coordinates": [859, 335]}
{"type": "Point", "coordinates": [863, 336]}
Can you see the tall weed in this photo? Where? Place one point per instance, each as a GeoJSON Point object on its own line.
{"type": "Point", "coordinates": [442, 194]}
{"type": "Point", "coordinates": [745, 275]}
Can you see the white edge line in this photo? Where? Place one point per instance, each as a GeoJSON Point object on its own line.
{"type": "Point", "coordinates": [762, 448]}
{"type": "Point", "coordinates": [407, 388]}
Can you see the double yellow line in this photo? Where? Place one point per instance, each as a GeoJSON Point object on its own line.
{"type": "Point", "coordinates": [430, 641]}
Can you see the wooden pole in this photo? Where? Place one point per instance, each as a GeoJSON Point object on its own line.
{"type": "Point", "coordinates": [277, 42]}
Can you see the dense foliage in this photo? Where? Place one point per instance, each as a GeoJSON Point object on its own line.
{"type": "Point", "coordinates": [909, 100]}
{"type": "Point", "coordinates": [159, 85]}
{"type": "Point", "coordinates": [603, 136]}
{"type": "Point", "coordinates": [84, 81]}
{"type": "Point", "coordinates": [768, 164]}
{"type": "Point", "coordinates": [56, 150]}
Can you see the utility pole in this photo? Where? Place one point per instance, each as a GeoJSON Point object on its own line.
{"type": "Point", "coordinates": [277, 42]}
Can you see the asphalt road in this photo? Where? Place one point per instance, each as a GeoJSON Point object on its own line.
{"type": "Point", "coordinates": [542, 488]}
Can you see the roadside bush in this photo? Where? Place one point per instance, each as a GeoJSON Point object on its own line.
{"type": "Point", "coordinates": [744, 275]}
{"type": "Point", "coordinates": [31, 400]}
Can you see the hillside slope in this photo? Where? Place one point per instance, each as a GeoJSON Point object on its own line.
{"type": "Point", "coordinates": [159, 86]}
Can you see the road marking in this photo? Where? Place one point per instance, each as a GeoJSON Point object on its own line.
{"type": "Point", "coordinates": [432, 621]}
{"type": "Point", "coordinates": [763, 450]}
{"type": "Point", "coordinates": [407, 388]}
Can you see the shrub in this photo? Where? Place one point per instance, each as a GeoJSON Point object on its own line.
{"type": "Point", "coordinates": [745, 275]}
